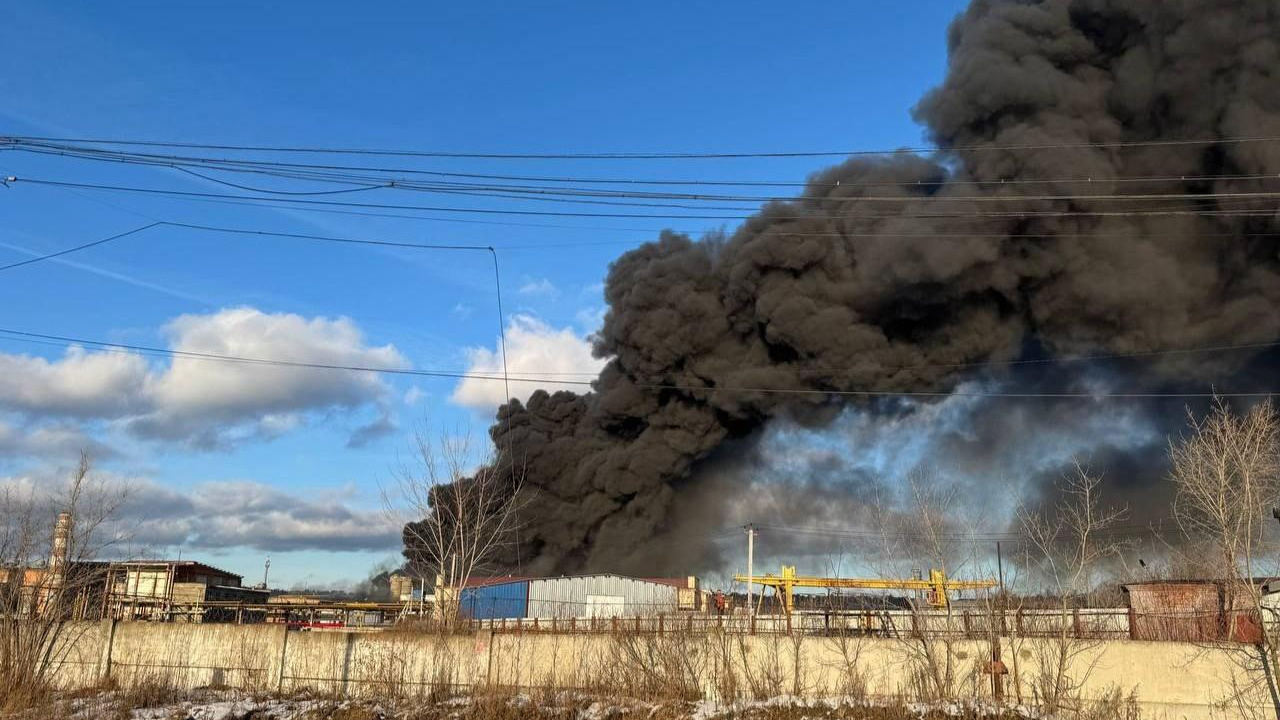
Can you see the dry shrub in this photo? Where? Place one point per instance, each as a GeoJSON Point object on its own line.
{"type": "Point", "coordinates": [1115, 704]}
{"type": "Point", "coordinates": [665, 666]}
{"type": "Point", "coordinates": [44, 604]}
{"type": "Point", "coordinates": [149, 692]}
{"type": "Point", "coordinates": [17, 701]}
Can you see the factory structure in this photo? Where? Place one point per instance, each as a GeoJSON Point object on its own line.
{"type": "Point", "coordinates": [187, 590]}
{"type": "Point", "coordinates": [576, 596]}
{"type": "Point", "coordinates": [125, 590]}
{"type": "Point", "coordinates": [147, 589]}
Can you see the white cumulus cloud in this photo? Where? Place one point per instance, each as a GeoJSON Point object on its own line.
{"type": "Point", "coordinates": [56, 439]}
{"type": "Point", "coordinates": [202, 402]}
{"type": "Point", "coordinates": [541, 287]}
{"type": "Point", "coordinates": [219, 514]}
{"type": "Point", "coordinates": [81, 384]}
{"type": "Point", "coordinates": [534, 350]}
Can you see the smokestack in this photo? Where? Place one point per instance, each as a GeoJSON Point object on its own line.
{"type": "Point", "coordinates": [60, 550]}
{"type": "Point", "coordinates": [1019, 241]}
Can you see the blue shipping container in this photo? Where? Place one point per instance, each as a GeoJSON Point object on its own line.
{"type": "Point", "coordinates": [495, 602]}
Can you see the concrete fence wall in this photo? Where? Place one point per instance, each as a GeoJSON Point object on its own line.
{"type": "Point", "coordinates": [1169, 679]}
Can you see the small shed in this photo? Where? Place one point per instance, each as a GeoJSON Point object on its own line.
{"type": "Point", "coordinates": [1188, 610]}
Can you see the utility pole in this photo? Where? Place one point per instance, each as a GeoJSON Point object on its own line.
{"type": "Point", "coordinates": [266, 574]}
{"type": "Point", "coordinates": [1000, 567]}
{"type": "Point", "coordinates": [751, 552]}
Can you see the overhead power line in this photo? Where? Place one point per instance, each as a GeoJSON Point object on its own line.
{"type": "Point", "coordinates": [214, 357]}
{"type": "Point", "coordinates": [447, 246]}
{"type": "Point", "coordinates": [783, 232]}
{"type": "Point", "coordinates": [796, 371]}
{"type": "Point", "coordinates": [383, 176]}
{"type": "Point", "coordinates": [497, 279]}
{"type": "Point", "coordinates": [77, 248]}
{"type": "Point", "coordinates": [993, 147]}
{"type": "Point", "coordinates": [239, 231]}
{"type": "Point", "coordinates": [1132, 529]}
{"type": "Point", "coordinates": [278, 192]}
{"type": "Point", "coordinates": [303, 204]}
{"type": "Point", "coordinates": [577, 195]}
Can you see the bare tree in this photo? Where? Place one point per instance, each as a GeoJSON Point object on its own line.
{"type": "Point", "coordinates": [1227, 474]}
{"type": "Point", "coordinates": [50, 573]}
{"type": "Point", "coordinates": [460, 513]}
{"type": "Point", "coordinates": [1068, 544]}
{"type": "Point", "coordinates": [925, 530]}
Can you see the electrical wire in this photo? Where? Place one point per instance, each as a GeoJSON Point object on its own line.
{"type": "Point", "coordinates": [852, 534]}
{"type": "Point", "coordinates": [1012, 214]}
{"type": "Point", "coordinates": [267, 203]}
{"type": "Point", "coordinates": [993, 147]}
{"type": "Point", "coordinates": [796, 371]}
{"type": "Point", "coordinates": [20, 334]}
{"type": "Point", "coordinates": [77, 248]}
{"type": "Point", "coordinates": [275, 192]}
{"type": "Point", "coordinates": [324, 173]}
{"type": "Point", "coordinates": [787, 233]}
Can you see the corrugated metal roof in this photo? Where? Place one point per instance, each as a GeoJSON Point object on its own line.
{"type": "Point", "coordinates": [1261, 580]}
{"type": "Point", "coordinates": [681, 582]}
{"type": "Point", "coordinates": [477, 581]}
{"type": "Point", "coordinates": [180, 563]}
{"type": "Point", "coordinates": [486, 580]}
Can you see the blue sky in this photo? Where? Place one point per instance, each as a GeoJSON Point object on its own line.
{"type": "Point", "coordinates": [484, 77]}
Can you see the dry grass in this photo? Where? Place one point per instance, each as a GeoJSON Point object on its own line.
{"type": "Point", "coordinates": [17, 701]}
{"type": "Point", "coordinates": [410, 675]}
{"type": "Point", "coordinates": [508, 705]}
{"type": "Point", "coordinates": [148, 693]}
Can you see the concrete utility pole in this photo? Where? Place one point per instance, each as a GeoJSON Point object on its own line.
{"type": "Point", "coordinates": [1000, 566]}
{"type": "Point", "coordinates": [751, 551]}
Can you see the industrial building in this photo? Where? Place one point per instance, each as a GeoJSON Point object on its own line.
{"type": "Point", "coordinates": [142, 589]}
{"type": "Point", "coordinates": [63, 585]}
{"type": "Point", "coordinates": [579, 596]}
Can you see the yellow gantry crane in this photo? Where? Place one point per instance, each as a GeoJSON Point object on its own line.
{"type": "Point", "coordinates": [937, 586]}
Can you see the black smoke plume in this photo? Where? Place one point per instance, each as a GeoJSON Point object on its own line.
{"type": "Point", "coordinates": [898, 273]}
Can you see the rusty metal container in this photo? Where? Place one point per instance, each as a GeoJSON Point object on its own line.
{"type": "Point", "coordinates": [1176, 610]}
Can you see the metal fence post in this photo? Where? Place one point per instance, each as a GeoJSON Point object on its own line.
{"type": "Point", "coordinates": [108, 647]}
{"type": "Point", "coordinates": [284, 650]}
{"type": "Point", "coordinates": [346, 663]}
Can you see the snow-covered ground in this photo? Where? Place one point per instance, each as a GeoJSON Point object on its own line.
{"type": "Point", "coordinates": [231, 705]}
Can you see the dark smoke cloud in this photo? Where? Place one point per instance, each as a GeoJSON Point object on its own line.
{"type": "Point", "coordinates": [838, 291]}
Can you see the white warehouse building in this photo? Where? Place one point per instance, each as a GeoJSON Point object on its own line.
{"type": "Point", "coordinates": [578, 596]}
{"type": "Point", "coordinates": [588, 596]}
